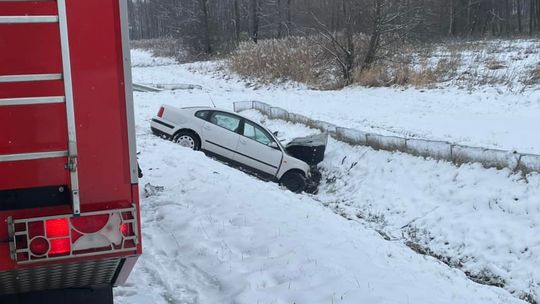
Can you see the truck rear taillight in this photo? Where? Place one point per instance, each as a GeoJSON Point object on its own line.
{"type": "Point", "coordinates": [52, 238]}
{"type": "Point", "coordinates": [160, 112]}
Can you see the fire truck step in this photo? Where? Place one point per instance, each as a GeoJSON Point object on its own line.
{"type": "Point", "coordinates": [28, 19]}
{"type": "Point", "coordinates": [32, 156]}
{"type": "Point", "coordinates": [30, 77]}
{"type": "Point", "coordinates": [31, 100]}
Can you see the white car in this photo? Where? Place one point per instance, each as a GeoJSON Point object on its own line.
{"type": "Point", "coordinates": [234, 139]}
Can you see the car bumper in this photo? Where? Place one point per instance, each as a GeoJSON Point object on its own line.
{"type": "Point", "coordinates": [161, 128]}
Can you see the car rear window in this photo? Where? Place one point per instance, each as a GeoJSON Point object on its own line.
{"type": "Point", "coordinates": [203, 114]}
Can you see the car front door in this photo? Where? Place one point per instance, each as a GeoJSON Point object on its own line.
{"type": "Point", "coordinates": [258, 150]}
{"type": "Point", "coordinates": [220, 134]}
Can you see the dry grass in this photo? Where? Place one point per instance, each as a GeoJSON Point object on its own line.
{"type": "Point", "coordinates": [495, 65]}
{"type": "Point", "coordinates": [464, 64]}
{"type": "Point", "coordinates": [291, 59]}
{"type": "Point", "coordinates": [534, 76]}
{"type": "Point", "coordinates": [400, 74]}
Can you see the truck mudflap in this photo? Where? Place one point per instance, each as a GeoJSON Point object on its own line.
{"type": "Point", "coordinates": [44, 239]}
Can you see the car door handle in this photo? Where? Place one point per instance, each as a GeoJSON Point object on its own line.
{"type": "Point", "coordinates": [243, 141]}
{"type": "Point", "coordinates": [206, 127]}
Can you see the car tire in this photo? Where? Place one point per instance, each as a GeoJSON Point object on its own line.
{"type": "Point", "coordinates": [294, 181]}
{"type": "Point", "coordinates": [187, 139]}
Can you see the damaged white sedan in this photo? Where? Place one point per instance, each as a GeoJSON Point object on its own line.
{"type": "Point", "coordinates": [242, 143]}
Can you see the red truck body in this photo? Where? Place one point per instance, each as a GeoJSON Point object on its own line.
{"type": "Point", "coordinates": [44, 242]}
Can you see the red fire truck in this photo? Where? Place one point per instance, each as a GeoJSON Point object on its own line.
{"type": "Point", "coordinates": [69, 204]}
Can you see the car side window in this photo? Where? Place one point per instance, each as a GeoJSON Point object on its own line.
{"type": "Point", "coordinates": [257, 133]}
{"type": "Point", "coordinates": [225, 120]}
{"type": "Point", "coordinates": [202, 115]}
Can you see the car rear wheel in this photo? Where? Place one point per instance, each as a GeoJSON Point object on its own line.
{"type": "Point", "coordinates": [294, 181]}
{"type": "Point", "coordinates": [187, 139]}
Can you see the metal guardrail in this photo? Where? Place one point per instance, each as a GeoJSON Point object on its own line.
{"type": "Point", "coordinates": [137, 87]}
{"type": "Point", "coordinates": [439, 150]}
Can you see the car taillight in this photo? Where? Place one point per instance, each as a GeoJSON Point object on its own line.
{"type": "Point", "coordinates": [160, 112]}
{"type": "Point", "coordinates": [67, 236]}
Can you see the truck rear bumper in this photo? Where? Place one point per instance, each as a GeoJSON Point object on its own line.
{"type": "Point", "coordinates": [60, 276]}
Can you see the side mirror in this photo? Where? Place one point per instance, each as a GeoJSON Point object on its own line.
{"type": "Point", "coordinates": [276, 133]}
{"type": "Point", "coordinates": [274, 145]}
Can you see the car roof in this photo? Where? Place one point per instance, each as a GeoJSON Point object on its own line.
{"type": "Point", "coordinates": [206, 108]}
{"type": "Point", "coordinates": [200, 108]}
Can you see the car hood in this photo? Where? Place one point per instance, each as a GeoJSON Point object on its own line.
{"type": "Point", "coordinates": [309, 149]}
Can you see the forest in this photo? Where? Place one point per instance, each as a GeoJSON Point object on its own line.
{"type": "Point", "coordinates": [344, 39]}
{"type": "Point", "coordinates": [216, 25]}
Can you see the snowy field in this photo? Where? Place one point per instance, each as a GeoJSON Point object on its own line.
{"type": "Point", "coordinates": [491, 117]}
{"type": "Point", "coordinates": [216, 235]}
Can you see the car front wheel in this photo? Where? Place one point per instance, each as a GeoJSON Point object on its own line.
{"type": "Point", "coordinates": [187, 139]}
{"type": "Point", "coordinates": [294, 181]}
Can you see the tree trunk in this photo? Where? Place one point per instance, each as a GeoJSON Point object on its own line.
{"type": "Point", "coordinates": [469, 17]}
{"type": "Point", "coordinates": [531, 17]}
{"type": "Point", "coordinates": [280, 21]}
{"type": "Point", "coordinates": [206, 27]}
{"type": "Point", "coordinates": [289, 16]}
{"type": "Point", "coordinates": [507, 25]}
{"type": "Point", "coordinates": [349, 54]}
{"type": "Point", "coordinates": [255, 20]}
{"type": "Point", "coordinates": [237, 21]}
{"type": "Point", "coordinates": [520, 26]}
{"type": "Point", "coordinates": [374, 40]}
{"type": "Point", "coordinates": [452, 28]}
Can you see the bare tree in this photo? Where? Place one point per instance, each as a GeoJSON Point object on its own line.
{"type": "Point", "coordinates": [206, 26]}
{"type": "Point", "coordinates": [255, 20]}
{"type": "Point", "coordinates": [389, 21]}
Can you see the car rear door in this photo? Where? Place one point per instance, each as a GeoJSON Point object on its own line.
{"type": "Point", "coordinates": [255, 150]}
{"type": "Point", "coordinates": [220, 134]}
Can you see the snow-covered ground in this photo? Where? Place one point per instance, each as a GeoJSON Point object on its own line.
{"type": "Point", "coordinates": [146, 59]}
{"type": "Point", "coordinates": [510, 64]}
{"type": "Point", "coordinates": [216, 235]}
{"type": "Point", "coordinates": [485, 222]}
